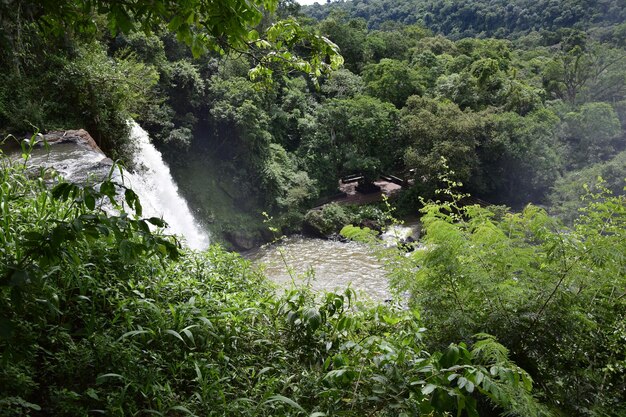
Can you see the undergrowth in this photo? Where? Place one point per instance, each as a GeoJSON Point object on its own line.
{"type": "Point", "coordinates": [101, 314]}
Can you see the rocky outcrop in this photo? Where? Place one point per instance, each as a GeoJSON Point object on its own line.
{"type": "Point", "coordinates": [72, 153]}
{"type": "Point", "coordinates": [80, 137]}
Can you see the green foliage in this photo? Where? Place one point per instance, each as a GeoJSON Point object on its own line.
{"type": "Point", "coordinates": [470, 18]}
{"type": "Point", "coordinates": [108, 91]}
{"type": "Point", "coordinates": [98, 312]}
{"type": "Point", "coordinates": [291, 187]}
{"type": "Point", "coordinates": [573, 191]}
{"type": "Point", "coordinates": [553, 296]}
{"type": "Point", "coordinates": [343, 84]}
{"type": "Point", "coordinates": [589, 133]}
{"type": "Point", "coordinates": [519, 158]}
{"type": "Point", "coordinates": [391, 81]}
{"type": "Point", "coordinates": [587, 72]}
{"type": "Point", "coordinates": [431, 130]}
{"type": "Point", "coordinates": [237, 104]}
{"type": "Point", "coordinates": [348, 36]}
{"type": "Point", "coordinates": [358, 234]}
{"type": "Point", "coordinates": [352, 135]}
{"type": "Point", "coordinates": [202, 25]}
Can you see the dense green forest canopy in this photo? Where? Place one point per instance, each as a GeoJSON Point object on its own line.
{"type": "Point", "coordinates": [514, 102]}
{"type": "Point", "coordinates": [512, 115]}
{"type": "Point", "coordinates": [483, 18]}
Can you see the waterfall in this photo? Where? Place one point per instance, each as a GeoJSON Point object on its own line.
{"type": "Point", "coordinates": [78, 161]}
{"type": "Point", "coordinates": [158, 192]}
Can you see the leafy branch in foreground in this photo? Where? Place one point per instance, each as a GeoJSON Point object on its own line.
{"type": "Point", "coordinates": [203, 25]}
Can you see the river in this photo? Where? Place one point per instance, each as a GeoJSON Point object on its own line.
{"type": "Point", "coordinates": [329, 265]}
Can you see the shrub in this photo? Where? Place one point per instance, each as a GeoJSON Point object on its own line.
{"type": "Point", "coordinates": [553, 296]}
{"type": "Point", "coordinates": [327, 220]}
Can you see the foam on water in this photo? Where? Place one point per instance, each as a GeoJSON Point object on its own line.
{"type": "Point", "coordinates": [334, 265]}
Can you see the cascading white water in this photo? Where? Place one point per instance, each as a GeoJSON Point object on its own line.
{"type": "Point", "coordinates": [79, 162]}
{"type": "Point", "coordinates": [158, 192]}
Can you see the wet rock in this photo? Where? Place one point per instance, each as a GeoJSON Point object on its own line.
{"type": "Point", "coordinates": [242, 241]}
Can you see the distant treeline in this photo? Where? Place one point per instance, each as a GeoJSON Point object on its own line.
{"type": "Point", "coordinates": [461, 18]}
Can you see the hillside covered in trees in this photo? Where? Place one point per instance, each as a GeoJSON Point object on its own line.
{"type": "Point", "coordinates": [467, 18]}
{"type": "Point", "coordinates": [261, 106]}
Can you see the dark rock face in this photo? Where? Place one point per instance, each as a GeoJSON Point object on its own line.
{"type": "Point", "coordinates": [242, 241]}
{"type": "Point", "coordinates": [367, 188]}
{"type": "Point", "coordinates": [371, 224]}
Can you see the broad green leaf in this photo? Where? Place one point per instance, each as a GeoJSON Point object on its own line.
{"type": "Point", "coordinates": [428, 389]}
{"type": "Point", "coordinates": [175, 334]}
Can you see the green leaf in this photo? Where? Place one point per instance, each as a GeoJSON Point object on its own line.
{"type": "Point", "coordinates": [450, 357]}
{"type": "Point", "coordinates": [101, 378]}
{"type": "Point", "coordinates": [479, 377]}
{"type": "Point", "coordinates": [108, 189]}
{"type": "Point", "coordinates": [90, 201]}
{"type": "Point", "coordinates": [313, 318]}
{"type": "Point", "coordinates": [175, 334]}
{"type": "Point", "coordinates": [132, 333]}
{"type": "Point", "coordinates": [126, 249]}
{"type": "Point", "coordinates": [181, 408]}
{"type": "Point", "coordinates": [132, 199]}
{"type": "Point", "coordinates": [285, 400]}
{"type": "Point", "coordinates": [156, 221]}
{"type": "Point", "coordinates": [428, 389]}
{"type": "Point", "coordinates": [264, 370]}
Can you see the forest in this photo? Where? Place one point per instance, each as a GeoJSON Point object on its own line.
{"type": "Point", "coordinates": [516, 307]}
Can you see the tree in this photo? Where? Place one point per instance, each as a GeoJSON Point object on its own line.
{"type": "Point", "coordinates": [594, 72]}
{"type": "Point", "coordinates": [392, 81]}
{"type": "Point", "coordinates": [571, 192]}
{"type": "Point", "coordinates": [589, 133]}
{"type": "Point", "coordinates": [432, 129]}
{"type": "Point", "coordinates": [518, 157]}
{"type": "Point", "coordinates": [349, 36]}
{"type": "Point", "coordinates": [351, 135]}
{"type": "Point", "coordinates": [237, 110]}
{"type": "Point", "coordinates": [343, 84]}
